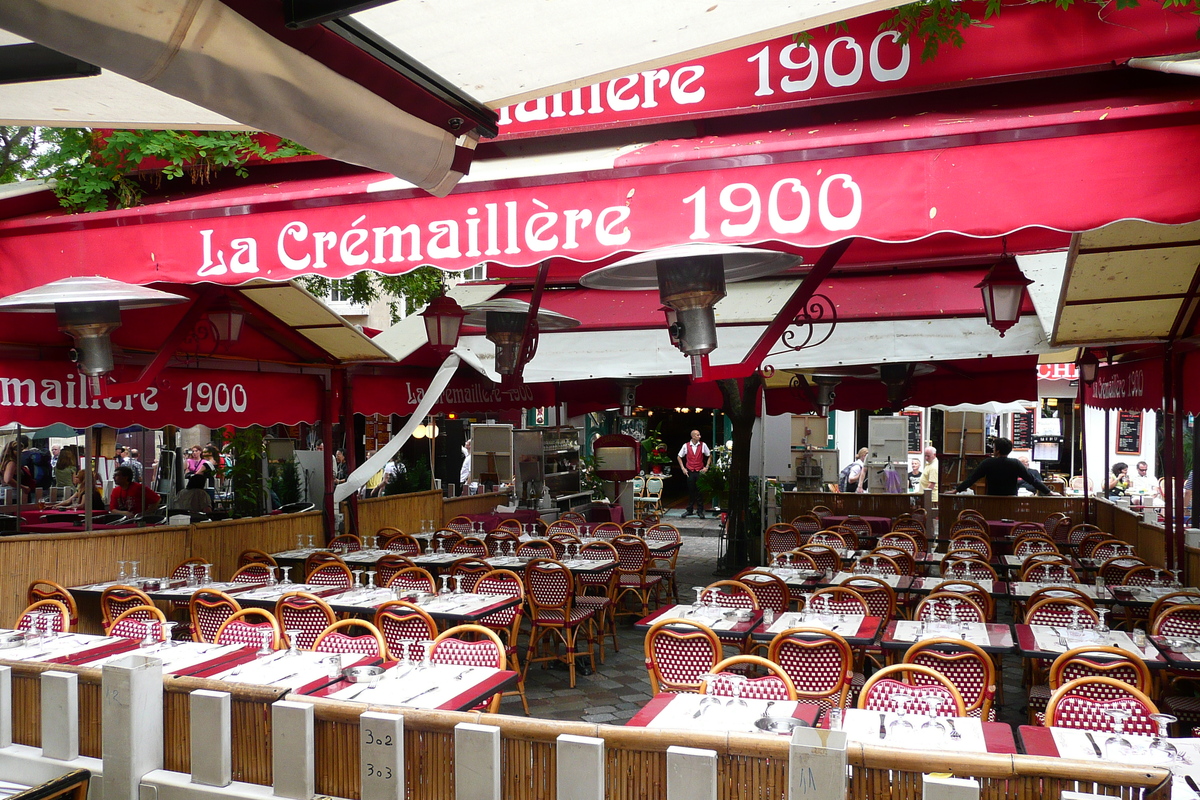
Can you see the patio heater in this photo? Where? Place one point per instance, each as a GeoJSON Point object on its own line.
{"type": "Point", "coordinates": [504, 319]}
{"type": "Point", "coordinates": [825, 392]}
{"type": "Point", "coordinates": [690, 279]}
{"type": "Point", "coordinates": [628, 390]}
{"type": "Point", "coordinates": [89, 309]}
{"type": "Point", "coordinates": [1003, 289]}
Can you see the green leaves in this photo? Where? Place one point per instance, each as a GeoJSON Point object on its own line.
{"type": "Point", "coordinates": [412, 290]}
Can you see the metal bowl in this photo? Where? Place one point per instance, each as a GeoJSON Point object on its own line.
{"type": "Point", "coordinates": [11, 640]}
{"type": "Point", "coordinates": [779, 724]}
{"type": "Point", "coordinates": [361, 674]}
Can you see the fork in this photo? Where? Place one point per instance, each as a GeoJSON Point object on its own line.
{"type": "Point", "coordinates": [954, 734]}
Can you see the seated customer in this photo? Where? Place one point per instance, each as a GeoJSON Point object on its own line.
{"type": "Point", "coordinates": [129, 497]}
{"type": "Point", "coordinates": [77, 500]}
{"type": "Point", "coordinates": [1002, 473]}
{"type": "Point", "coordinates": [194, 499]}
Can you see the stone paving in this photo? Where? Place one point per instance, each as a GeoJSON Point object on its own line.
{"type": "Point", "coordinates": [621, 686]}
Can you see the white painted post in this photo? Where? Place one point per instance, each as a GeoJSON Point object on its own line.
{"type": "Point", "coordinates": [6, 709]}
{"type": "Point", "coordinates": [691, 774]}
{"type": "Point", "coordinates": [212, 740]}
{"type": "Point", "coordinates": [60, 715]}
{"type": "Point", "coordinates": [945, 787]}
{"type": "Point", "coordinates": [132, 722]}
{"type": "Point", "coordinates": [817, 765]}
{"type": "Point", "coordinates": [580, 767]}
{"type": "Point", "coordinates": [381, 751]}
{"type": "Point", "coordinates": [476, 762]}
{"type": "Point", "coordinates": [292, 756]}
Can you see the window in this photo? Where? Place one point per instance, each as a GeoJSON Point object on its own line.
{"type": "Point", "coordinates": [475, 273]}
{"type": "Point", "coordinates": [341, 303]}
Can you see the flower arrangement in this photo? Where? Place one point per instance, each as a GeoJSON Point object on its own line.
{"type": "Point", "coordinates": [655, 448]}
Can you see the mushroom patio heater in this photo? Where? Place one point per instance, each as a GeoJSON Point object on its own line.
{"type": "Point", "coordinates": [690, 279]}
{"type": "Point", "coordinates": [504, 320]}
{"type": "Point", "coordinates": [443, 320]}
{"type": "Point", "coordinates": [825, 392]}
{"type": "Point", "coordinates": [1003, 290]}
{"type": "Point", "coordinates": [89, 309]}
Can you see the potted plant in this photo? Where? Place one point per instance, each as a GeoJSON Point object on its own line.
{"type": "Point", "coordinates": [656, 451]}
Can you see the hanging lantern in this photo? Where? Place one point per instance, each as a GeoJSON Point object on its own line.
{"type": "Point", "coordinates": [226, 325]}
{"type": "Point", "coordinates": [443, 321]}
{"type": "Point", "coordinates": [1003, 290]}
{"type": "Point", "coordinates": [1088, 364]}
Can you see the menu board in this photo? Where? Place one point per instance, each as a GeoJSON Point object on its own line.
{"type": "Point", "coordinates": [1022, 431]}
{"type": "Point", "coordinates": [914, 431]}
{"type": "Point", "coordinates": [1129, 432]}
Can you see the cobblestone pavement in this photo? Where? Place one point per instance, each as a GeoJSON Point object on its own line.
{"type": "Point", "coordinates": [615, 692]}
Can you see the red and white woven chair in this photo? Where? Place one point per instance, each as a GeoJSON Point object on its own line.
{"type": "Point", "coordinates": [678, 653]}
{"type": "Point", "coordinates": [633, 578]}
{"type": "Point", "coordinates": [829, 539]}
{"type": "Point", "coordinates": [486, 651]}
{"type": "Point", "coordinates": [387, 567]}
{"type": "Point", "coordinates": [981, 544]}
{"type": "Point", "coordinates": [861, 528]}
{"type": "Point", "coordinates": [1078, 533]}
{"type": "Point", "coordinates": [1088, 661]}
{"type": "Point", "coordinates": [807, 524]}
{"type": "Point", "coordinates": [116, 599]}
{"type": "Point", "coordinates": [513, 525]}
{"type": "Point", "coordinates": [56, 615]}
{"type": "Point", "coordinates": [554, 615]}
{"type": "Point", "coordinates": [664, 565]}
{"type": "Point", "coordinates": [335, 575]}
{"type": "Point", "coordinates": [318, 558]}
{"type": "Point", "coordinates": [903, 560]}
{"type": "Point", "coordinates": [562, 525]}
{"type": "Point", "coordinates": [1048, 571]}
{"type": "Point", "coordinates": [470, 546]}
{"type": "Point", "coordinates": [1110, 548]}
{"type": "Point", "coordinates": [444, 538]}
{"type": "Point", "coordinates": [783, 537]}
{"type": "Point", "coordinates": [826, 557]}
{"type": "Point", "coordinates": [334, 639]}
{"type": "Point", "coordinates": [965, 665]}
{"type": "Point", "coordinates": [597, 591]}
{"type": "Point", "coordinates": [462, 524]}
{"type": "Point", "coordinates": [403, 545]}
{"type": "Point", "coordinates": [1177, 618]}
{"type": "Point", "coordinates": [879, 596]}
{"type": "Point", "coordinates": [384, 536]}
{"type": "Point", "coordinates": [251, 626]}
{"type": "Point", "coordinates": [607, 530]}
{"type": "Point", "coordinates": [207, 609]}
{"type": "Point", "coordinates": [253, 556]}
{"type": "Point", "coordinates": [561, 541]}
{"type": "Point", "coordinates": [1033, 544]}
{"type": "Point", "coordinates": [1092, 541]}
{"type": "Point", "coordinates": [467, 572]}
{"type": "Point", "coordinates": [901, 540]}
{"type": "Point", "coordinates": [346, 543]}
{"type": "Point", "coordinates": [1059, 612]}
{"type": "Point", "coordinates": [1082, 704]}
{"type": "Point", "coordinates": [972, 590]}
{"type": "Point", "coordinates": [882, 688]}
{"type": "Point", "coordinates": [303, 616]}
{"type": "Point", "coordinates": [879, 562]}
{"type": "Point", "coordinates": [537, 548]}
{"type": "Point", "coordinates": [819, 663]}
{"type": "Point", "coordinates": [255, 574]}
{"type": "Point", "coordinates": [501, 540]}
{"type": "Point", "coordinates": [412, 579]}
{"type": "Point", "coordinates": [49, 590]}
{"type": "Point", "coordinates": [506, 623]}
{"type": "Point", "coordinates": [838, 600]}
{"type": "Point", "coordinates": [971, 569]}
{"type": "Point", "coordinates": [1116, 568]}
{"type": "Point", "coordinates": [775, 686]}
{"type": "Point", "coordinates": [139, 622]}
{"type": "Point", "coordinates": [972, 514]}
{"type": "Point", "coordinates": [403, 627]}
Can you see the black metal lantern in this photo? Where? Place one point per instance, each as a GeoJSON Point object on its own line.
{"type": "Point", "coordinates": [504, 320]}
{"type": "Point", "coordinates": [1003, 290]}
{"type": "Point", "coordinates": [1088, 364]}
{"type": "Point", "coordinates": [443, 321]}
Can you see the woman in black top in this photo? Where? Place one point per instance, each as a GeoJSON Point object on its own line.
{"type": "Point", "coordinates": [1002, 473]}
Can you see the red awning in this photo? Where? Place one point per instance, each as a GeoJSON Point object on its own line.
{"type": "Point", "coordinates": [1129, 385]}
{"type": "Point", "coordinates": [399, 392]}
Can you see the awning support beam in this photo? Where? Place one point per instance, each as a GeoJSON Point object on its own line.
{"type": "Point", "coordinates": [529, 341]}
{"type": "Point", "coordinates": [166, 351]}
{"type": "Point", "coordinates": [785, 317]}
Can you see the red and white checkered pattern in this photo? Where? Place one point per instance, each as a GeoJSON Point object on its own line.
{"type": "Point", "coordinates": [826, 557]}
{"type": "Point", "coordinates": [116, 599]}
{"type": "Point", "coordinates": [188, 570]}
{"type": "Point", "coordinates": [387, 567]}
{"type": "Point", "coordinates": [881, 563]}
{"type": "Point", "coordinates": [550, 585]}
{"type": "Point", "coordinates": [1077, 534]}
{"type": "Point", "coordinates": [973, 676]}
{"type": "Point", "coordinates": [55, 614]}
{"type": "Point", "coordinates": [1030, 546]}
{"type": "Point", "coordinates": [562, 526]}
{"type": "Point", "coordinates": [968, 527]}
{"type": "Point", "coordinates": [881, 599]}
{"type": "Point", "coordinates": [939, 608]}
{"type": "Point", "coordinates": [1107, 550]}
{"type": "Point", "coordinates": [500, 584]}
{"type": "Point", "coordinates": [404, 545]}
{"type": "Point", "coordinates": [1057, 573]}
{"type": "Point", "coordinates": [1059, 613]}
{"type": "Point", "coordinates": [807, 523]}
{"type": "Point", "coordinates": [972, 542]}
{"type": "Point", "coordinates": [303, 619]}
{"type": "Point", "coordinates": [679, 655]}
{"type": "Point", "coordinates": [819, 666]}
{"type": "Point", "coordinates": [596, 551]}
{"type": "Point", "coordinates": [768, 687]}
{"type": "Point", "coordinates": [461, 524]}
{"type": "Point", "coordinates": [338, 642]}
{"type": "Point", "coordinates": [857, 524]}
{"type": "Point", "coordinates": [1086, 712]}
{"type": "Point", "coordinates": [136, 626]}
{"type": "Point", "coordinates": [905, 565]}
{"type": "Point", "coordinates": [414, 579]}
{"type": "Point", "coordinates": [729, 597]}
{"type": "Point", "coordinates": [771, 592]}
{"type": "Point", "coordinates": [881, 696]}
{"type": "Point", "coordinates": [471, 546]}
{"type": "Point", "coordinates": [208, 611]}
{"type": "Point", "coordinates": [559, 542]}
{"type": "Point", "coordinates": [782, 538]}
{"type": "Point", "coordinates": [538, 548]}
{"type": "Point", "coordinates": [1181, 620]}
{"type": "Point", "coordinates": [971, 570]}
{"type": "Point", "coordinates": [829, 539]}
{"type": "Point", "coordinates": [404, 628]}
{"type": "Point", "coordinates": [513, 525]}
{"type": "Point", "coordinates": [251, 633]}
{"type": "Point", "coordinates": [444, 538]}
{"type": "Point", "coordinates": [607, 530]}
{"type": "Point", "coordinates": [252, 574]}
{"type": "Point", "coordinates": [501, 538]}
{"type": "Point", "coordinates": [1114, 570]}
{"type": "Point", "coordinates": [838, 600]}
{"type": "Point", "coordinates": [898, 540]}
{"type": "Point", "coordinates": [337, 575]}
{"type": "Point", "coordinates": [468, 571]}
{"type": "Point", "coordinates": [346, 543]}
{"type": "Point", "coordinates": [467, 654]}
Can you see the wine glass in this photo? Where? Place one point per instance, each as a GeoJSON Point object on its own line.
{"type": "Point", "coordinates": [1102, 629]}
{"type": "Point", "coordinates": [441, 548]}
{"type": "Point", "coordinates": [312, 542]}
{"type": "Point", "coordinates": [445, 584]}
{"type": "Point", "coordinates": [736, 684]}
{"type": "Point", "coordinates": [133, 570]}
{"type": "Point", "coordinates": [152, 631]}
{"type": "Point", "coordinates": [1175, 577]}
{"type": "Point", "coordinates": [287, 575]}
{"type": "Point", "coordinates": [699, 590]}
{"type": "Point", "coordinates": [121, 576]}
{"type": "Point", "coordinates": [458, 584]}
{"type": "Point", "coordinates": [1117, 746]}
{"type": "Point", "coordinates": [168, 633]}
{"type": "Point", "coordinates": [271, 579]}
{"type": "Point", "coordinates": [426, 654]}
{"type": "Point", "coordinates": [265, 641]}
{"type": "Point", "coordinates": [708, 699]}
{"type": "Point", "coordinates": [428, 547]}
{"type": "Point", "coordinates": [357, 585]}
{"type": "Point", "coordinates": [932, 724]}
{"type": "Point", "coordinates": [371, 580]}
{"type": "Point", "coordinates": [207, 573]}
{"type": "Point", "coordinates": [299, 541]}
{"type": "Point", "coordinates": [1161, 748]}
{"type": "Point", "coordinates": [405, 661]}
{"type": "Point", "coordinates": [900, 724]}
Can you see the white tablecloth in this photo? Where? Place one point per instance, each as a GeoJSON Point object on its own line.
{"type": "Point", "coordinates": [1053, 639]}
{"type": "Point", "coordinates": [843, 627]}
{"type": "Point", "coordinates": [286, 669]}
{"type": "Point", "coordinates": [908, 630]}
{"type": "Point", "coordinates": [713, 618]}
{"type": "Point", "coordinates": [863, 726]}
{"type": "Point", "coordinates": [680, 714]}
{"type": "Point", "coordinates": [1074, 744]}
{"type": "Point", "coordinates": [416, 687]}
{"type": "Point", "coordinates": [890, 580]}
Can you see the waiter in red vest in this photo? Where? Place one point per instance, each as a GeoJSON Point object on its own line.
{"type": "Point", "coordinates": [694, 458]}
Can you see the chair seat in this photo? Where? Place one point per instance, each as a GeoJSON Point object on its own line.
{"type": "Point", "coordinates": [1039, 697]}
{"type": "Point", "coordinates": [628, 580]}
{"type": "Point", "coordinates": [593, 601]}
{"type": "Point", "coordinates": [662, 572]}
{"type": "Point", "coordinates": [550, 616]}
{"type": "Point", "coordinates": [1187, 709]}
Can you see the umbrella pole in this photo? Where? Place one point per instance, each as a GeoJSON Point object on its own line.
{"type": "Point", "coordinates": [20, 482]}
{"type": "Point", "coordinates": [89, 479]}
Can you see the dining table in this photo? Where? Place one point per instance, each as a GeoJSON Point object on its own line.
{"type": "Point", "coordinates": [878, 525]}
{"type": "Point", "coordinates": [1085, 745]}
{"type": "Point", "coordinates": [1049, 642]}
{"type": "Point", "coordinates": [925, 585]}
{"type": "Point", "coordinates": [725, 622]}
{"type": "Point", "coordinates": [856, 629]}
{"type": "Point", "coordinates": [444, 687]}
{"type": "Point", "coordinates": [992, 637]}
{"type": "Point", "coordinates": [960, 734]}
{"type": "Point", "coordinates": [698, 712]}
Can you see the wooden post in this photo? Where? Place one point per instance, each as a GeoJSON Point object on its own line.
{"type": "Point", "coordinates": [580, 773]}
{"type": "Point", "coordinates": [381, 748]}
{"type": "Point", "coordinates": [817, 765]}
{"type": "Point", "coordinates": [132, 724]}
{"type": "Point", "coordinates": [60, 715]}
{"type": "Point", "coordinates": [292, 757]}
{"type": "Point", "coordinates": [211, 738]}
{"type": "Point", "coordinates": [691, 774]}
{"type": "Point", "coordinates": [476, 762]}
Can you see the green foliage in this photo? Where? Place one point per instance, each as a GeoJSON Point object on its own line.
{"type": "Point", "coordinates": [285, 481]}
{"type": "Point", "coordinates": [655, 447]}
{"type": "Point", "coordinates": [245, 476]}
{"type": "Point", "coordinates": [588, 479]}
{"type": "Point", "coordinates": [715, 482]}
{"type": "Point", "coordinates": [412, 289]}
{"type": "Point", "coordinates": [416, 477]}
{"type": "Point", "coordinates": [99, 170]}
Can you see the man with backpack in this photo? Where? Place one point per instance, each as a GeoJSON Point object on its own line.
{"type": "Point", "coordinates": [35, 463]}
{"type": "Point", "coordinates": [850, 479]}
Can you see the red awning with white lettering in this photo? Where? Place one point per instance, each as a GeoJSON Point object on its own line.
{"type": "Point", "coordinates": [890, 179]}
{"type": "Point", "coordinates": [1130, 385]}
{"type": "Point", "coordinates": [401, 390]}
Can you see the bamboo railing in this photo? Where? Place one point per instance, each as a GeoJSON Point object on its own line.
{"type": "Point", "coordinates": [865, 504]}
{"type": "Point", "coordinates": [472, 504]}
{"type": "Point", "coordinates": [403, 511]}
{"type": "Point", "coordinates": [1022, 509]}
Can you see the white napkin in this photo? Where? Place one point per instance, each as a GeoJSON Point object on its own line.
{"type": "Point", "coordinates": [792, 619]}
{"type": "Point", "coordinates": [436, 685]}
{"type": "Point", "coordinates": [680, 714]}
{"type": "Point", "coordinates": [863, 726]}
{"type": "Point", "coordinates": [891, 580]}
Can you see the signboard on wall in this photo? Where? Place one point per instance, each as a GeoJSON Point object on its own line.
{"type": "Point", "coordinates": [1022, 431]}
{"type": "Point", "coordinates": [1129, 433]}
{"type": "Point", "coordinates": [914, 431]}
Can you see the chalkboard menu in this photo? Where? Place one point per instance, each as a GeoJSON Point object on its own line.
{"type": "Point", "coordinates": [914, 431]}
{"type": "Point", "coordinates": [1129, 433]}
{"type": "Point", "coordinates": [1022, 431]}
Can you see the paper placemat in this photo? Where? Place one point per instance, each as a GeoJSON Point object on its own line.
{"type": "Point", "coordinates": [174, 659]}
{"type": "Point", "coordinates": [987, 584]}
{"type": "Point", "coordinates": [704, 616]}
{"type": "Point", "coordinates": [188, 591]}
{"type": "Point", "coordinates": [861, 725]}
{"type": "Point", "coordinates": [504, 562]}
{"type": "Point", "coordinates": [789, 575]}
{"type": "Point", "coordinates": [842, 577]}
{"type": "Point", "coordinates": [364, 556]}
{"type": "Point", "coordinates": [847, 627]}
{"type": "Point", "coordinates": [680, 714]}
{"type": "Point", "coordinates": [464, 603]}
{"type": "Point", "coordinates": [1059, 640]}
{"type": "Point", "coordinates": [279, 590]}
{"type": "Point", "coordinates": [363, 598]}
{"type": "Point", "coordinates": [285, 669]}
{"type": "Point", "coordinates": [908, 630]}
{"type": "Point", "coordinates": [303, 552]}
{"type": "Point", "coordinates": [416, 687]}
{"type": "Point", "coordinates": [1075, 744]}
{"type": "Point", "coordinates": [1026, 588]}
{"type": "Point", "coordinates": [45, 649]}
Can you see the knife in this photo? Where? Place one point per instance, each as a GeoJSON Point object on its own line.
{"type": "Point", "coordinates": [1192, 784]}
{"type": "Point", "coordinates": [1095, 746]}
{"type": "Point", "coordinates": [418, 694]}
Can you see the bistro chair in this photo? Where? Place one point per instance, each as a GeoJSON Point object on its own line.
{"type": "Point", "coordinates": [905, 563]}
{"type": "Point", "coordinates": [969, 541]}
{"type": "Point", "coordinates": [252, 556]}
{"type": "Point", "coordinates": [881, 689]}
{"type": "Point", "coordinates": [942, 606]}
{"type": "Point", "coordinates": [1111, 548]}
{"type": "Point", "coordinates": [318, 558]}
{"type": "Point", "coordinates": [1047, 592]}
{"type": "Point", "coordinates": [336, 575]}
{"type": "Point", "coordinates": [462, 524]}
{"type": "Point", "coordinates": [776, 685]}
{"type": "Point", "coordinates": [1176, 614]}
{"type": "Point", "coordinates": [597, 590]}
{"type": "Point", "coordinates": [403, 545]}
{"type": "Point", "coordinates": [663, 566]}
{"type": "Point", "coordinates": [1034, 545]}
{"type": "Point", "coordinates": [470, 545]}
{"type": "Point", "coordinates": [506, 623]}
{"type": "Point", "coordinates": [782, 537]}
{"type": "Point", "coordinates": [879, 596]}
{"type": "Point", "coordinates": [386, 534]}
{"type": "Point", "coordinates": [387, 566]}
{"type": "Point", "coordinates": [1089, 660]}
{"type": "Point", "coordinates": [1090, 542]}
{"type": "Point", "coordinates": [484, 649]}
{"type": "Point", "coordinates": [554, 615]}
{"type": "Point", "coordinates": [49, 590]}
{"type": "Point", "coordinates": [652, 499]}
{"type": "Point", "coordinates": [403, 627]}
{"type": "Point", "coordinates": [346, 543]}
{"type": "Point", "coordinates": [633, 578]}
{"type": "Point", "coordinates": [207, 610]}
{"type": "Point", "coordinates": [1081, 704]}
{"type": "Point", "coordinates": [972, 514]}
{"type": "Point", "coordinates": [637, 527]}
{"type": "Point", "coordinates": [139, 622]}
{"type": "Point", "coordinates": [467, 572]}
{"type": "Point", "coordinates": [768, 589]}
{"type": "Point", "coordinates": [501, 539]}
{"type": "Point", "coordinates": [537, 548]}
{"type": "Point", "coordinates": [56, 615]}
{"type": "Point", "coordinates": [829, 539]}
{"type": "Point", "coordinates": [302, 617]}
{"type": "Point", "coordinates": [880, 562]}
{"type": "Point", "coordinates": [413, 579]}
{"type": "Point", "coordinates": [1059, 611]}
{"type": "Point", "coordinates": [254, 574]}
{"type": "Point", "coordinates": [118, 598]}
{"type": "Point", "coordinates": [1078, 533]}
{"type": "Point", "coordinates": [861, 528]}
{"type": "Point", "coordinates": [573, 516]}
{"type": "Point", "coordinates": [334, 640]}
{"type": "Point", "coordinates": [1115, 569]}
{"type": "Point", "coordinates": [562, 525]}
{"type": "Point", "coordinates": [444, 539]}
{"type": "Point", "coordinates": [900, 539]}
{"type": "Point", "coordinates": [678, 652]}
{"type": "Point", "coordinates": [968, 526]}
{"type": "Point", "coordinates": [513, 525]}
{"type": "Point", "coordinates": [965, 665]}
{"type": "Point", "coordinates": [972, 590]}
{"type": "Point", "coordinates": [972, 569]}
{"type": "Point", "coordinates": [806, 524]}
{"type": "Point", "coordinates": [561, 541]}
{"type": "Point", "coordinates": [1143, 575]}
{"type": "Point", "coordinates": [819, 663]}
{"type": "Point", "coordinates": [606, 530]}
{"type": "Point", "coordinates": [838, 600]}
{"type": "Point", "coordinates": [1048, 571]}
{"type": "Point", "coordinates": [826, 557]}
{"type": "Point", "coordinates": [251, 626]}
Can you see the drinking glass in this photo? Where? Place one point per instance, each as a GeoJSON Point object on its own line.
{"type": "Point", "coordinates": [133, 570]}
{"type": "Point", "coordinates": [370, 580]}
{"type": "Point", "coordinates": [699, 590]}
{"type": "Point", "coordinates": [271, 579]}
{"type": "Point", "coordinates": [1117, 746]}
{"type": "Point", "coordinates": [835, 718]}
{"type": "Point", "coordinates": [299, 541]}
{"type": "Point", "coordinates": [1099, 587]}
{"type": "Point", "coordinates": [932, 724]}
{"type": "Point", "coordinates": [207, 573]}
{"type": "Point", "coordinates": [426, 653]}
{"type": "Point", "coordinates": [151, 631]}
{"type": "Point", "coordinates": [1075, 626]}
{"type": "Point", "coordinates": [1157, 581]}
{"type": "Point", "coordinates": [265, 648]}
{"type": "Point", "coordinates": [168, 633]}
{"type": "Point", "coordinates": [458, 584]}
{"type": "Point", "coordinates": [1175, 577]}
{"type": "Point", "coordinates": [121, 571]}
{"type": "Point", "coordinates": [405, 661]}
{"type": "Point", "coordinates": [312, 543]}
{"type": "Point", "coordinates": [445, 584]}
{"type": "Point", "coordinates": [1139, 638]}
{"type": "Point", "coordinates": [429, 547]}
{"type": "Point", "coordinates": [287, 575]}
{"type": "Point", "coordinates": [1161, 749]}
{"type": "Point", "coordinates": [441, 548]}
{"type": "Point", "coordinates": [357, 585]}
{"type": "Point", "coordinates": [708, 699]}
{"type": "Point", "coordinates": [900, 724]}
{"type": "Point", "coordinates": [736, 683]}
{"type": "Point", "coordinates": [1102, 629]}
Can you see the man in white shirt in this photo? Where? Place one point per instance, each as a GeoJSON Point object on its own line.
{"type": "Point", "coordinates": [929, 475]}
{"type": "Point", "coordinates": [694, 458]}
{"type": "Point", "coordinates": [1142, 482]}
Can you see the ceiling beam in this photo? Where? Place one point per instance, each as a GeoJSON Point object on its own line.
{"type": "Point", "coordinates": [26, 63]}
